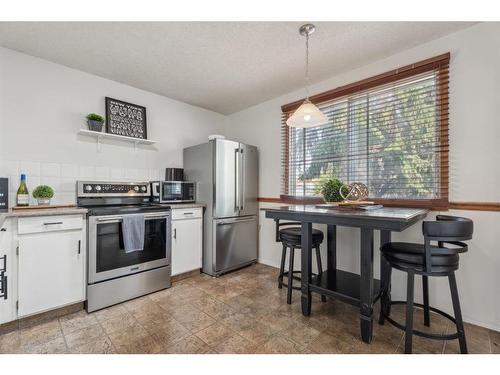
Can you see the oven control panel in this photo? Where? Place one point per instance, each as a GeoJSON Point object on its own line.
{"type": "Point", "coordinates": [96, 188]}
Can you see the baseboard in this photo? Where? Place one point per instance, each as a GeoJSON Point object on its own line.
{"type": "Point", "coordinates": [185, 275]}
{"type": "Point", "coordinates": [33, 320]}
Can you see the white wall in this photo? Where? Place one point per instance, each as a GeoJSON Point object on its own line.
{"type": "Point", "coordinates": [42, 106]}
{"type": "Point", "coordinates": [474, 158]}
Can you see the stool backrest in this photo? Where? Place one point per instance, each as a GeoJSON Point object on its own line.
{"type": "Point", "coordinates": [285, 224]}
{"type": "Point", "coordinates": [446, 230]}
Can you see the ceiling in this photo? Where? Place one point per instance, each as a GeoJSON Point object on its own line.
{"type": "Point", "coordinates": [221, 66]}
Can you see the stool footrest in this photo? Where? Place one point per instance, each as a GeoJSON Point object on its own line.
{"type": "Point", "coordinates": [433, 336]}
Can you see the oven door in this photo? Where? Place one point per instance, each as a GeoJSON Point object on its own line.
{"type": "Point", "coordinates": [107, 257]}
{"type": "Point", "coordinates": [177, 191]}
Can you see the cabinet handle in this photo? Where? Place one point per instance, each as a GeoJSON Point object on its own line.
{"type": "Point", "coordinates": [3, 278]}
{"type": "Point", "coordinates": [79, 246]}
{"type": "Point", "coordinates": [175, 233]}
{"type": "Point", "coordinates": [188, 213]}
{"type": "Point", "coordinates": [54, 223]}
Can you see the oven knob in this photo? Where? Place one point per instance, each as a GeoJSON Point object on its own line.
{"type": "Point", "coordinates": [143, 188]}
{"type": "Point", "coordinates": [98, 187]}
{"type": "Point", "coordinates": [88, 187]}
{"type": "Point", "coordinates": [136, 188]}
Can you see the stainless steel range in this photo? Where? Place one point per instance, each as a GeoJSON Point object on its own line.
{"type": "Point", "coordinates": [115, 275]}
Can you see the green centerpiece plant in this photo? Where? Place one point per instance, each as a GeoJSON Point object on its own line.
{"type": "Point", "coordinates": [330, 189]}
{"type": "Point", "coordinates": [43, 194]}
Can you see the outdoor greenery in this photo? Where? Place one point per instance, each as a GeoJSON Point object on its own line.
{"type": "Point", "coordinates": [386, 140]}
{"type": "Point", "coordinates": [95, 117]}
{"type": "Point", "coordinates": [43, 191]}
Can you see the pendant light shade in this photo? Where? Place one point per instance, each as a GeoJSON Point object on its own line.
{"type": "Point", "coordinates": [307, 116]}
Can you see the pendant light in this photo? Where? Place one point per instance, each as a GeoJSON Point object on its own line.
{"type": "Point", "coordinates": [307, 115]}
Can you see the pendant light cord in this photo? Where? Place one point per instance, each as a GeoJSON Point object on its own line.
{"type": "Point", "coordinates": [307, 66]}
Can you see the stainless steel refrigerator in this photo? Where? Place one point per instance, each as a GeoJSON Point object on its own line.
{"type": "Point", "coordinates": [227, 174]}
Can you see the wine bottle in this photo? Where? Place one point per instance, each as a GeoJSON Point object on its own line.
{"type": "Point", "coordinates": [23, 196]}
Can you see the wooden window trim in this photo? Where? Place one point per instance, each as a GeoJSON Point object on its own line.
{"type": "Point", "coordinates": [433, 63]}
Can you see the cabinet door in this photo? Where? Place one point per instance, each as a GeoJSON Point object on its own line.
{"type": "Point", "coordinates": [7, 302]}
{"type": "Point", "coordinates": [186, 245]}
{"type": "Point", "coordinates": [51, 270]}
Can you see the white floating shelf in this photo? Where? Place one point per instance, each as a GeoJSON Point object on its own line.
{"type": "Point", "coordinates": [100, 135]}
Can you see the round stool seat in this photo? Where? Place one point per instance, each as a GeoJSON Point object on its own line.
{"type": "Point", "coordinates": [293, 235]}
{"type": "Point", "coordinates": [411, 255]}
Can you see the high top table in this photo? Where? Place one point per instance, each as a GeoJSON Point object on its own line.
{"type": "Point", "coordinates": [359, 290]}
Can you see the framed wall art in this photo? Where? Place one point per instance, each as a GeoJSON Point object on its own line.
{"type": "Point", "coordinates": [125, 119]}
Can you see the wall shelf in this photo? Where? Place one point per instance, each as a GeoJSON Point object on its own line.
{"type": "Point", "coordinates": [100, 135]}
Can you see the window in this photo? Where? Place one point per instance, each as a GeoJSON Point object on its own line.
{"type": "Point", "coordinates": [389, 132]}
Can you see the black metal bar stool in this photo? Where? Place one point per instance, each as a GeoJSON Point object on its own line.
{"type": "Point", "coordinates": [291, 237]}
{"type": "Point", "coordinates": [428, 260]}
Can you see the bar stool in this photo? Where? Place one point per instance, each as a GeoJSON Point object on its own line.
{"type": "Point", "coordinates": [428, 260]}
{"type": "Point", "coordinates": [291, 238]}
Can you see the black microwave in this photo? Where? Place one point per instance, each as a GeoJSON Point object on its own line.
{"type": "Point", "coordinates": [173, 191]}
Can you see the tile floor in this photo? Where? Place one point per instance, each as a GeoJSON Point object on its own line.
{"type": "Point", "coordinates": [242, 312]}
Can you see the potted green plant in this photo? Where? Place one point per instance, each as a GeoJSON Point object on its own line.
{"type": "Point", "coordinates": [330, 189]}
{"type": "Point", "coordinates": [95, 122]}
{"type": "Point", "coordinates": [43, 194]}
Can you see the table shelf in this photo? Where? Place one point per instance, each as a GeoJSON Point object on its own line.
{"type": "Point", "coordinates": [341, 285]}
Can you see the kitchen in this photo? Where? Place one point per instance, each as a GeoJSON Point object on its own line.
{"type": "Point", "coordinates": [204, 190]}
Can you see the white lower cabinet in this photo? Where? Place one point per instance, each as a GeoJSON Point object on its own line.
{"type": "Point", "coordinates": [8, 261]}
{"type": "Point", "coordinates": [187, 240]}
{"type": "Point", "coordinates": [51, 263]}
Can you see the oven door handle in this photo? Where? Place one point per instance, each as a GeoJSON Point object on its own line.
{"type": "Point", "coordinates": [118, 219]}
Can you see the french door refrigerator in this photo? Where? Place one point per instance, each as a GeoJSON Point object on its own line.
{"type": "Point", "coordinates": [226, 173]}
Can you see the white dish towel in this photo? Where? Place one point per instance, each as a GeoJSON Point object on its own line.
{"type": "Point", "coordinates": [133, 232]}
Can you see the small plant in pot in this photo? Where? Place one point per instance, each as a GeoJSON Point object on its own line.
{"type": "Point", "coordinates": [43, 194]}
{"type": "Point", "coordinates": [330, 189]}
{"type": "Point", "coordinates": [95, 122]}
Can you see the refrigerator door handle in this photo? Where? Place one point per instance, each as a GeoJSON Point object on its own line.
{"type": "Point", "coordinates": [237, 179]}
{"type": "Point", "coordinates": [242, 180]}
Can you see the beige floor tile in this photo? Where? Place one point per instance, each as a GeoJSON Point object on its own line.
{"type": "Point", "coordinates": [495, 341]}
{"type": "Point", "coordinates": [477, 339]}
{"type": "Point", "coordinates": [134, 340]}
{"type": "Point", "coordinates": [215, 334]}
{"type": "Point", "coordinates": [327, 343]}
{"type": "Point", "coordinates": [214, 308]}
{"type": "Point", "coordinates": [10, 342]}
{"type": "Point", "coordinates": [84, 335]}
{"type": "Point", "coordinates": [110, 313]}
{"type": "Point", "coordinates": [41, 334]}
{"type": "Point", "coordinates": [76, 321]}
{"type": "Point", "coordinates": [102, 345]}
{"type": "Point", "coordinates": [118, 323]}
{"type": "Point", "coordinates": [188, 345]}
{"type": "Point", "coordinates": [279, 345]}
{"type": "Point", "coordinates": [56, 346]}
{"type": "Point", "coordinates": [300, 333]}
{"type": "Point", "coordinates": [167, 331]}
{"type": "Point", "coordinates": [240, 301]}
{"type": "Point", "coordinates": [235, 345]}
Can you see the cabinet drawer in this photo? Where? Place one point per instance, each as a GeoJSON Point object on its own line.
{"type": "Point", "coordinates": [41, 224]}
{"type": "Point", "coordinates": [186, 213]}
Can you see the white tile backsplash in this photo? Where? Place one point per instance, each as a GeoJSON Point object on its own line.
{"type": "Point", "coordinates": [86, 172]}
{"type": "Point", "coordinates": [50, 170]}
{"type": "Point", "coordinates": [117, 174]}
{"type": "Point", "coordinates": [53, 182]}
{"type": "Point", "coordinates": [8, 167]}
{"type": "Point", "coordinates": [69, 171]}
{"type": "Point", "coordinates": [154, 175]}
{"type": "Point", "coordinates": [62, 177]}
{"type": "Point", "coordinates": [102, 173]}
{"type": "Point", "coordinates": [29, 168]}
{"type": "Point", "coordinates": [68, 185]}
